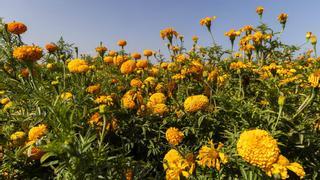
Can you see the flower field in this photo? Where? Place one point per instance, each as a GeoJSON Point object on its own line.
{"type": "Point", "coordinates": [251, 111]}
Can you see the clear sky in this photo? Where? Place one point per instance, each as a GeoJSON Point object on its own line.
{"type": "Point", "coordinates": [87, 22]}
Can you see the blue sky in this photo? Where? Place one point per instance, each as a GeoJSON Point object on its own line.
{"type": "Point", "coordinates": [87, 22]}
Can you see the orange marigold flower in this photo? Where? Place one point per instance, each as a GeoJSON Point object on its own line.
{"type": "Point", "coordinates": [27, 53]}
{"type": "Point", "coordinates": [37, 132]}
{"type": "Point", "coordinates": [51, 47]}
{"type": "Point", "coordinates": [128, 67]}
{"type": "Point", "coordinates": [16, 28]}
{"type": "Point", "coordinates": [143, 63]}
{"type": "Point", "coordinates": [108, 59]}
{"type": "Point", "coordinates": [93, 89]}
{"type": "Point", "coordinates": [122, 43]}
{"type": "Point", "coordinates": [147, 52]}
{"type": "Point", "coordinates": [78, 66]}
{"type": "Point", "coordinates": [136, 55]}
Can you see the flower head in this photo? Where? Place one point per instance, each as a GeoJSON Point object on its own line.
{"type": "Point", "coordinates": [211, 157]}
{"type": "Point", "coordinates": [282, 18]}
{"type": "Point", "coordinates": [122, 43]}
{"type": "Point", "coordinates": [27, 53]}
{"type": "Point", "coordinates": [174, 136]}
{"type": "Point", "coordinates": [196, 103]}
{"type": "Point", "coordinates": [259, 10]}
{"type": "Point", "coordinates": [78, 66]}
{"type": "Point", "coordinates": [37, 132]}
{"type": "Point", "coordinates": [16, 28]}
{"type": "Point", "coordinates": [128, 67]}
{"type": "Point", "coordinates": [207, 21]}
{"type": "Point", "coordinates": [51, 47]}
{"type": "Point", "coordinates": [258, 148]}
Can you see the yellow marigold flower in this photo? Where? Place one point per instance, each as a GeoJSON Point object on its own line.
{"type": "Point", "coordinates": [178, 76]}
{"type": "Point", "coordinates": [104, 100]}
{"type": "Point", "coordinates": [159, 88]}
{"type": "Point", "coordinates": [211, 157]}
{"type": "Point", "coordinates": [159, 109]}
{"type": "Point", "coordinates": [128, 100]}
{"type": "Point", "coordinates": [314, 78]}
{"type": "Point", "coordinates": [18, 137]}
{"type": "Point", "coordinates": [195, 38]}
{"type": "Point", "coordinates": [258, 148]}
{"type": "Point", "coordinates": [157, 98]}
{"type": "Point", "coordinates": [207, 21]}
{"type": "Point", "coordinates": [282, 18]}
{"type": "Point", "coordinates": [154, 71]}
{"type": "Point", "coordinates": [164, 65]}
{"type": "Point", "coordinates": [282, 166]}
{"type": "Point", "coordinates": [308, 35]}
{"type": "Point", "coordinates": [248, 29]}
{"type": "Point", "coordinates": [174, 136]}
{"type": "Point", "coordinates": [232, 34]}
{"type": "Point", "coordinates": [259, 10]}
{"type": "Point", "coordinates": [178, 169]}
{"type": "Point", "coordinates": [66, 96]}
{"type": "Point", "coordinates": [171, 157]}
{"type": "Point", "coordinates": [196, 103]}
{"type": "Point", "coordinates": [93, 89]}
{"type": "Point", "coordinates": [238, 65]}
{"type": "Point", "coordinates": [78, 66]}
{"type": "Point", "coordinates": [181, 58]}
{"type": "Point", "coordinates": [108, 59]}
{"type": "Point", "coordinates": [147, 52]}
{"type": "Point", "coordinates": [37, 132]}
{"type": "Point", "coordinates": [150, 81]}
{"type": "Point", "coordinates": [118, 60]}
{"type": "Point", "coordinates": [168, 33]}
{"type": "Point", "coordinates": [51, 47]}
{"type": "Point", "coordinates": [27, 53]}
{"type": "Point", "coordinates": [313, 39]}
{"type": "Point", "coordinates": [16, 28]}
{"type": "Point", "coordinates": [4, 101]}
{"type": "Point", "coordinates": [143, 63]}
{"type": "Point", "coordinates": [128, 67]}
{"type": "Point", "coordinates": [8, 105]}
{"type": "Point", "coordinates": [50, 66]}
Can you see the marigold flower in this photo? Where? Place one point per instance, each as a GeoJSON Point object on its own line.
{"type": "Point", "coordinates": [66, 96]}
{"type": "Point", "coordinates": [232, 34]}
{"type": "Point", "coordinates": [37, 132]}
{"type": "Point", "coordinates": [282, 166]}
{"type": "Point", "coordinates": [93, 89]}
{"type": "Point", "coordinates": [314, 78]}
{"type": "Point", "coordinates": [78, 66]}
{"type": "Point", "coordinates": [27, 53]}
{"type": "Point", "coordinates": [258, 148]}
{"type": "Point", "coordinates": [308, 35]}
{"type": "Point", "coordinates": [4, 100]}
{"type": "Point", "coordinates": [211, 157]}
{"type": "Point", "coordinates": [259, 10]}
{"type": "Point", "coordinates": [136, 83]}
{"type": "Point", "coordinates": [159, 109]}
{"type": "Point", "coordinates": [128, 67]}
{"type": "Point", "coordinates": [18, 137]}
{"type": "Point", "coordinates": [207, 21]}
{"type": "Point", "coordinates": [118, 60]}
{"type": "Point", "coordinates": [122, 43]}
{"type": "Point", "coordinates": [104, 100]}
{"type": "Point", "coordinates": [147, 52]}
{"type": "Point", "coordinates": [136, 55]}
{"type": "Point", "coordinates": [157, 98]}
{"type": "Point", "coordinates": [101, 50]}
{"type": "Point", "coordinates": [51, 47]}
{"type": "Point", "coordinates": [168, 33]}
{"type": "Point", "coordinates": [175, 165]}
{"type": "Point", "coordinates": [143, 63]}
{"type": "Point", "coordinates": [16, 28]}
{"type": "Point", "coordinates": [112, 53]}
{"type": "Point", "coordinates": [108, 59]}
{"type": "Point", "coordinates": [196, 103]}
{"type": "Point", "coordinates": [128, 100]}
{"type": "Point", "coordinates": [313, 39]}
{"type": "Point", "coordinates": [282, 18]}
{"type": "Point", "coordinates": [174, 136]}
